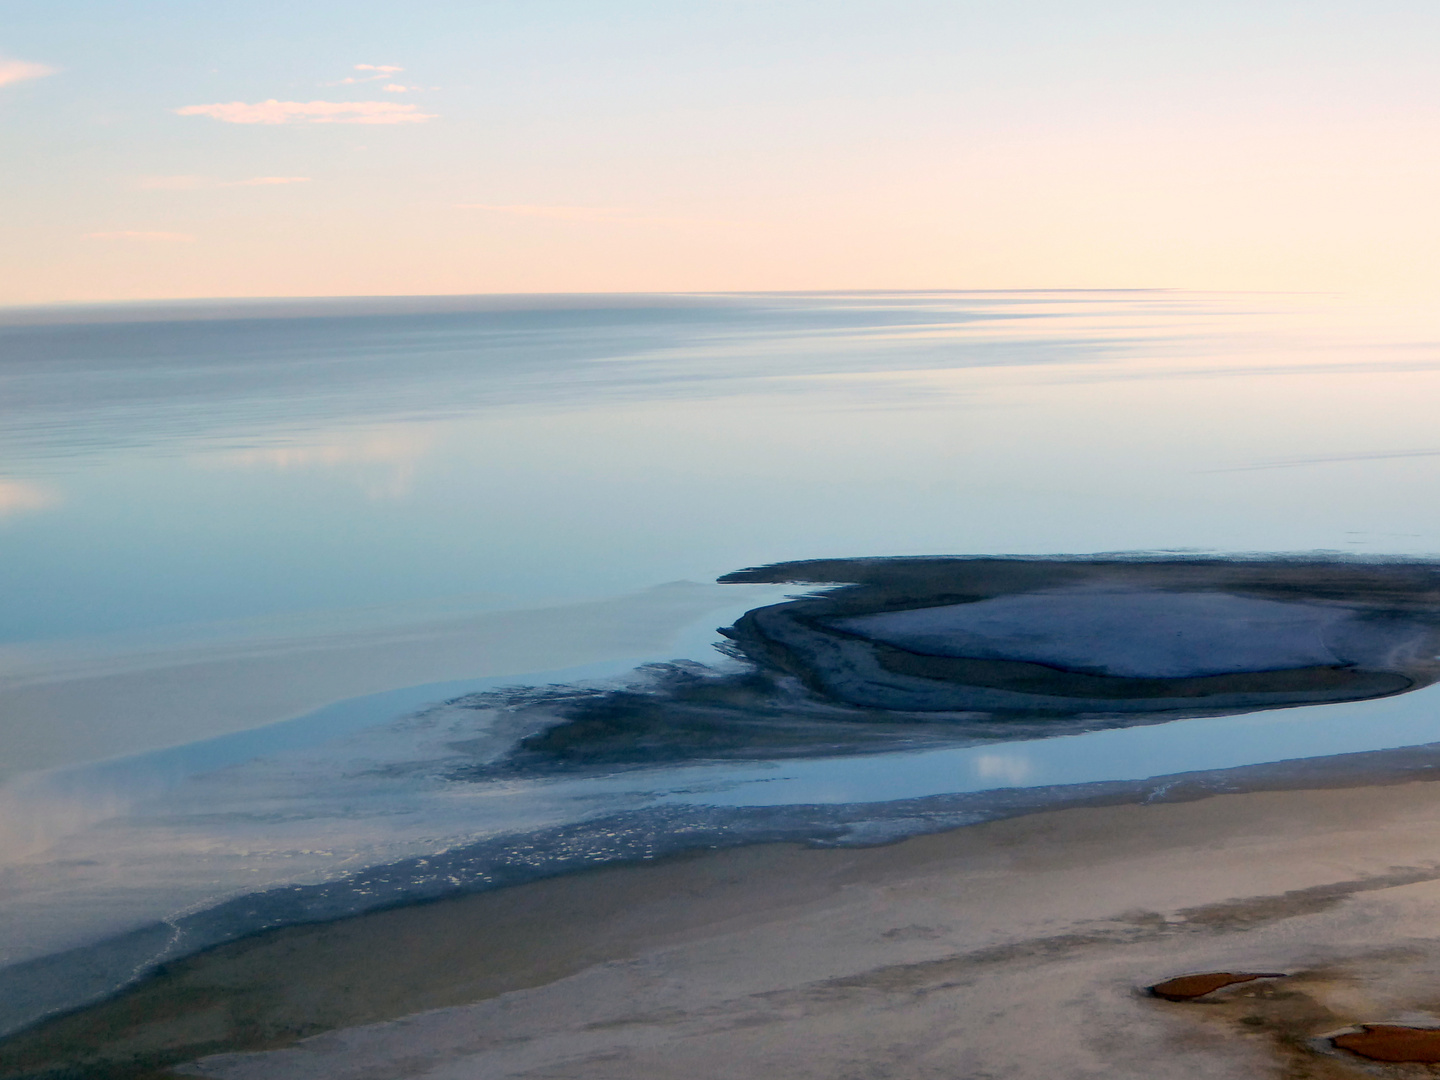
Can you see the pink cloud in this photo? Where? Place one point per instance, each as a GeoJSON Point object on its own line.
{"type": "Point", "coordinates": [131, 234]}
{"type": "Point", "coordinates": [13, 71]}
{"type": "Point", "coordinates": [267, 181]}
{"type": "Point", "coordinates": [310, 112]}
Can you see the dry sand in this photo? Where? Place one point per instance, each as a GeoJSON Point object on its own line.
{"type": "Point", "coordinates": [1016, 948]}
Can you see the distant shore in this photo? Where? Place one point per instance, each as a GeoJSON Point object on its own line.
{"type": "Point", "coordinates": [1015, 947]}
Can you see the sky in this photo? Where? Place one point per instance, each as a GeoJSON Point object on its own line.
{"type": "Point", "coordinates": [166, 149]}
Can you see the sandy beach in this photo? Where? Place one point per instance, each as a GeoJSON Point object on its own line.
{"type": "Point", "coordinates": [1014, 948]}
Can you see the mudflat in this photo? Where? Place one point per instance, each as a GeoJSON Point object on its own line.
{"type": "Point", "coordinates": [1020, 947]}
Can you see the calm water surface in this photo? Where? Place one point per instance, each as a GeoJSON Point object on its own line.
{"type": "Point", "coordinates": [244, 544]}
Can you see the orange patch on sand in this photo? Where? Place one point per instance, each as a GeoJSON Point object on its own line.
{"type": "Point", "coordinates": [1189, 987]}
{"type": "Point", "coordinates": [1392, 1042]}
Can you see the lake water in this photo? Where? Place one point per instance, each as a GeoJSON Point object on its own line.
{"type": "Point", "coordinates": [249, 546]}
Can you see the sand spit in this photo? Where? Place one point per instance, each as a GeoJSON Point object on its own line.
{"type": "Point", "coordinates": [1098, 637]}
{"type": "Point", "coordinates": [1014, 948]}
{"type": "Point", "coordinates": [908, 653]}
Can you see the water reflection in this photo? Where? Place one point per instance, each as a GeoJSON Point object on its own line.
{"type": "Point", "coordinates": [19, 497]}
{"type": "Point", "coordinates": [380, 461]}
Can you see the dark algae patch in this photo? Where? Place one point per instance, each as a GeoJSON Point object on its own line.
{"type": "Point", "coordinates": [1190, 987]}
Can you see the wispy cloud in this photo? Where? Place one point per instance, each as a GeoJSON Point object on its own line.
{"type": "Point", "coordinates": [18, 497]}
{"type": "Point", "coordinates": [13, 71]}
{"type": "Point", "coordinates": [266, 181]}
{"type": "Point", "coordinates": [559, 213]}
{"type": "Point", "coordinates": [191, 183]}
{"type": "Point", "coordinates": [593, 215]}
{"type": "Point", "coordinates": [310, 112]}
{"type": "Point", "coordinates": [132, 234]}
{"type": "Point", "coordinates": [170, 183]}
{"type": "Point", "coordinates": [378, 71]}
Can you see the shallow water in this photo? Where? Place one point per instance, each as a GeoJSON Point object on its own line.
{"type": "Point", "coordinates": [216, 518]}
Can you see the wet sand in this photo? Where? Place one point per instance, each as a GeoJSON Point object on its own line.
{"type": "Point", "coordinates": [1015, 948]}
{"type": "Point", "coordinates": [55, 710]}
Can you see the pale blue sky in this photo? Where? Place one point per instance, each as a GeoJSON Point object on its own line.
{"type": "Point", "coordinates": [629, 145]}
